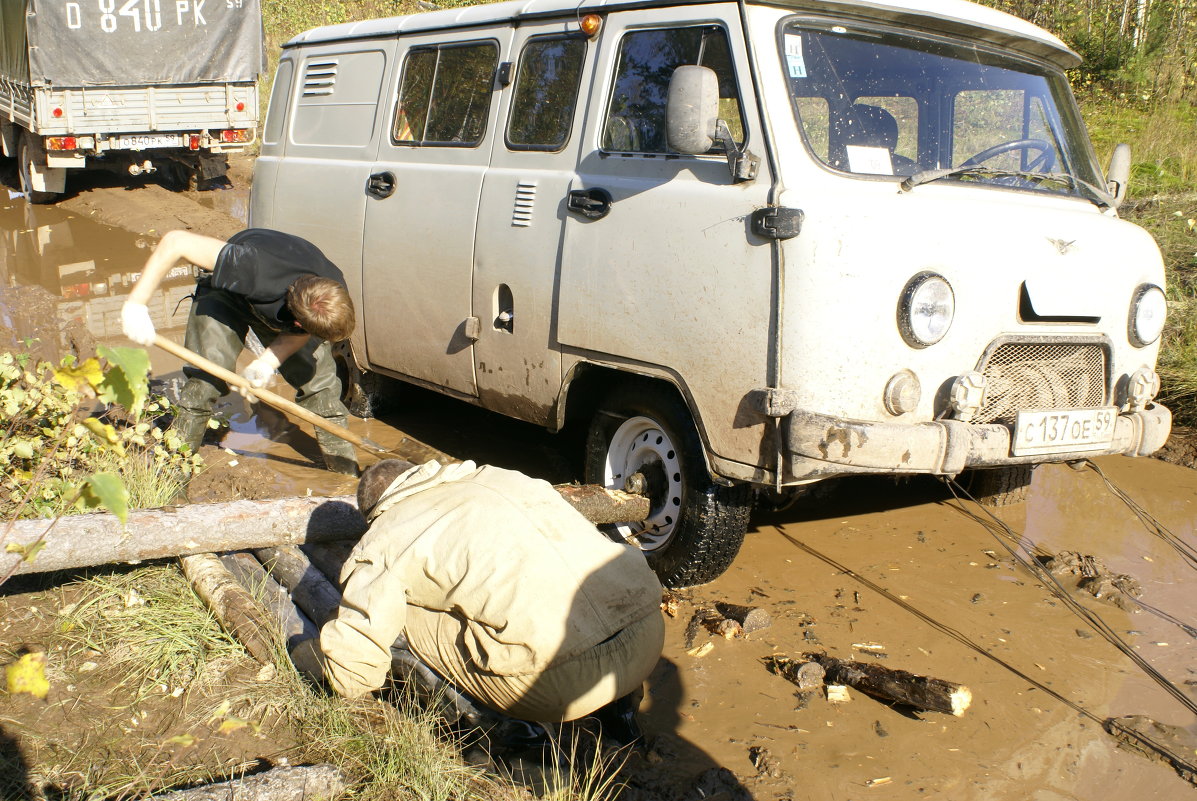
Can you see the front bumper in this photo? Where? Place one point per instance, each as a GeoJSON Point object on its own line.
{"type": "Point", "coordinates": [819, 446]}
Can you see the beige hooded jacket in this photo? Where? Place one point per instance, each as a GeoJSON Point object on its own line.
{"type": "Point", "coordinates": [527, 579]}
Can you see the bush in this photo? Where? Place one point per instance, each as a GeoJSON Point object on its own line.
{"type": "Point", "coordinates": [72, 433]}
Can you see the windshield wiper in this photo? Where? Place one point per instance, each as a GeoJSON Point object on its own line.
{"type": "Point", "coordinates": [1097, 196]}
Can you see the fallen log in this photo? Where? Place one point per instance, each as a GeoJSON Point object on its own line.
{"type": "Point", "coordinates": [921, 692]}
{"type": "Point", "coordinates": [300, 783]}
{"type": "Point", "coordinates": [310, 589]}
{"type": "Point", "coordinates": [285, 615]}
{"type": "Point", "coordinates": [100, 539]}
{"type": "Point", "coordinates": [329, 558]}
{"type": "Point", "coordinates": [233, 606]}
{"type": "Point", "coordinates": [750, 618]}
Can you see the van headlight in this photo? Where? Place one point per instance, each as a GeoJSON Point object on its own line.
{"type": "Point", "coordinates": [1147, 313]}
{"type": "Point", "coordinates": [925, 309]}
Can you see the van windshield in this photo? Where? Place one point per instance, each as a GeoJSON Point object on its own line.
{"type": "Point", "coordinates": [879, 102]}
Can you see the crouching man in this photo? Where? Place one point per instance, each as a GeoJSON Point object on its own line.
{"type": "Point", "coordinates": [499, 586]}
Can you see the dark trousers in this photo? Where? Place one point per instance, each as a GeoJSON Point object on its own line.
{"type": "Point", "coordinates": [216, 329]}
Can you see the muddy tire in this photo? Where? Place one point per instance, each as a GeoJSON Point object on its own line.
{"type": "Point", "coordinates": [365, 394]}
{"type": "Point", "coordinates": [695, 526]}
{"type": "Point", "coordinates": [1000, 486]}
{"type": "Point", "coordinates": [25, 170]}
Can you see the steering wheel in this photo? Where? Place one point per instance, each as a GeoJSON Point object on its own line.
{"type": "Point", "coordinates": [1041, 163]}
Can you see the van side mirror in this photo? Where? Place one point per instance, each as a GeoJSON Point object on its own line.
{"type": "Point", "coordinates": [1118, 175]}
{"type": "Point", "coordinates": [692, 109]}
{"type": "Point", "coordinates": [692, 124]}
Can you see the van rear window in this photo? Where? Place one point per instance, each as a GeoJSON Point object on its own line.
{"type": "Point", "coordinates": [445, 95]}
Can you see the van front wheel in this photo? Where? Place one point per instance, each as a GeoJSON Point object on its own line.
{"type": "Point", "coordinates": [695, 527]}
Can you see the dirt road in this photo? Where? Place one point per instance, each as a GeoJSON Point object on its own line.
{"type": "Point", "coordinates": [893, 572]}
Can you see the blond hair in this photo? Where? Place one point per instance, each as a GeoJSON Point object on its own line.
{"type": "Point", "coordinates": [322, 307]}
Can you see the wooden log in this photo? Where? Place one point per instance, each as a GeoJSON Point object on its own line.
{"type": "Point", "coordinates": [603, 506]}
{"type": "Point", "coordinates": [750, 618]}
{"type": "Point", "coordinates": [921, 692]}
{"type": "Point", "coordinates": [300, 783]}
{"type": "Point", "coordinates": [329, 558]}
{"type": "Point", "coordinates": [286, 618]}
{"type": "Point", "coordinates": [806, 676]}
{"type": "Point", "coordinates": [100, 539]}
{"type": "Point", "coordinates": [235, 608]}
{"type": "Point", "coordinates": [309, 588]}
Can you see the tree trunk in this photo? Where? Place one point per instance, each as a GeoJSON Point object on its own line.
{"type": "Point", "coordinates": [100, 539]}
{"type": "Point", "coordinates": [286, 618]}
{"type": "Point", "coordinates": [310, 589]}
{"type": "Point", "coordinates": [921, 692]}
{"type": "Point", "coordinates": [238, 612]}
{"type": "Point", "coordinates": [306, 783]}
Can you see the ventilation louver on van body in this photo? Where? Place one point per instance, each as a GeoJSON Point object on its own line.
{"type": "Point", "coordinates": [320, 78]}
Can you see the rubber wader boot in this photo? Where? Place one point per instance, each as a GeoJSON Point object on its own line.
{"type": "Point", "coordinates": [339, 455]}
{"type": "Point", "coordinates": [191, 427]}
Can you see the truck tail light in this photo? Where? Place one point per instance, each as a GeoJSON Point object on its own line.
{"type": "Point", "coordinates": [193, 142]}
{"type": "Point", "coordinates": [61, 143]}
{"type": "Point", "coordinates": [57, 112]}
{"type": "Point", "coordinates": [236, 135]}
{"type": "Point", "coordinates": [240, 106]}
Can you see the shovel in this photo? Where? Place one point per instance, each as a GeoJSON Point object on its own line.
{"type": "Point", "coordinates": [415, 451]}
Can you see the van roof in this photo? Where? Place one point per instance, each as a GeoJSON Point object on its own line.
{"type": "Point", "coordinates": [951, 17]}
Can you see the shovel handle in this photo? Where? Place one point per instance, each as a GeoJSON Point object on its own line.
{"type": "Point", "coordinates": [268, 397]}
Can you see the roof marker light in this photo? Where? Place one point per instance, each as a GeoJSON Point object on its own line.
{"type": "Point", "coordinates": [590, 24]}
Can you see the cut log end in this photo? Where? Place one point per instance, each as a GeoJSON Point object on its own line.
{"type": "Point", "coordinates": [961, 698]}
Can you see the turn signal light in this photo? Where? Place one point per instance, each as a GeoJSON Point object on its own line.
{"type": "Point", "coordinates": [237, 135]}
{"type": "Point", "coordinates": [61, 143]}
{"type": "Point", "coordinates": [590, 24]}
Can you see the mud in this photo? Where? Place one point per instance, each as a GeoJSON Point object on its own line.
{"type": "Point", "coordinates": [870, 569]}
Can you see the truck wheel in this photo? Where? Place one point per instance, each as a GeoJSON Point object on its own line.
{"type": "Point", "coordinates": [25, 167]}
{"type": "Point", "coordinates": [695, 526]}
{"type": "Point", "coordinates": [1000, 486]}
{"type": "Point", "coordinates": [364, 393]}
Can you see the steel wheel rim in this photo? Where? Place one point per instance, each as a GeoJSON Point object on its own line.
{"type": "Point", "coordinates": [640, 444]}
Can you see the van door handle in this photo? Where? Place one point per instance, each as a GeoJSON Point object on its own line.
{"type": "Point", "coordinates": [381, 185]}
{"type": "Point", "coordinates": [590, 203]}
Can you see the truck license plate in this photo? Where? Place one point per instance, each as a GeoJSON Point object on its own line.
{"type": "Point", "coordinates": [1064, 430]}
{"type": "Point", "coordinates": [143, 141]}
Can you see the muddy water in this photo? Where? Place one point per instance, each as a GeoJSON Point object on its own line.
{"type": "Point", "coordinates": [62, 280]}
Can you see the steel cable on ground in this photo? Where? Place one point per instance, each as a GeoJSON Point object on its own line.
{"type": "Point", "coordinates": [1176, 759]}
{"type": "Point", "coordinates": [1052, 584]}
{"type": "Point", "coordinates": [1188, 552]}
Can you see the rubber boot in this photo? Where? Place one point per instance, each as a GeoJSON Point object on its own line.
{"type": "Point", "coordinates": [339, 455]}
{"type": "Point", "coordinates": [618, 720]}
{"type": "Point", "coordinates": [191, 427]}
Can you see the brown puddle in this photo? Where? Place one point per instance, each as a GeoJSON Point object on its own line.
{"type": "Point", "coordinates": [63, 278]}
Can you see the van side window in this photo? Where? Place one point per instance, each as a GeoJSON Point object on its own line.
{"type": "Point", "coordinates": [546, 93]}
{"type": "Point", "coordinates": [636, 114]}
{"type": "Point", "coordinates": [445, 95]}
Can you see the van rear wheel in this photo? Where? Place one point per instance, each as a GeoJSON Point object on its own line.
{"type": "Point", "coordinates": [695, 526]}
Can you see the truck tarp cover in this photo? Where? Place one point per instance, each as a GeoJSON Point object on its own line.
{"type": "Point", "coordinates": [131, 42]}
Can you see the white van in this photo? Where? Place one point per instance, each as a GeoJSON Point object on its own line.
{"type": "Point", "coordinates": [743, 244]}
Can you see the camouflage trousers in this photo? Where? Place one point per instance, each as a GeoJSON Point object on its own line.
{"type": "Point", "coordinates": [216, 329]}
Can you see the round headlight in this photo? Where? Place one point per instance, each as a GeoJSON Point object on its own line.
{"type": "Point", "coordinates": [925, 310]}
{"type": "Point", "coordinates": [1147, 313]}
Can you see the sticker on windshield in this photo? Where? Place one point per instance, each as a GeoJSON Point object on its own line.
{"type": "Point", "coordinates": [794, 60]}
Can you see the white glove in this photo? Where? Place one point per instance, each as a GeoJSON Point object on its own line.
{"type": "Point", "coordinates": [136, 323]}
{"type": "Point", "coordinates": [258, 373]}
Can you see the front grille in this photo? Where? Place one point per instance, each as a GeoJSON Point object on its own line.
{"type": "Point", "coordinates": [1038, 375]}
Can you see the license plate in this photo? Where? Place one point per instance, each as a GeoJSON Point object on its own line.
{"type": "Point", "coordinates": [143, 141]}
{"type": "Point", "coordinates": [1064, 430]}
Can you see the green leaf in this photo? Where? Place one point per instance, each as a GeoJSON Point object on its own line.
{"type": "Point", "coordinates": [127, 380]}
{"type": "Point", "coordinates": [28, 552]}
{"type": "Point", "coordinates": [108, 491]}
